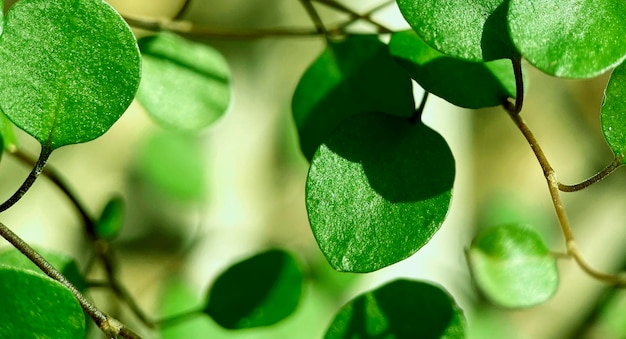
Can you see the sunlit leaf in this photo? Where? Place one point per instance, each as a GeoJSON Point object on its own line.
{"type": "Point", "coordinates": [512, 266]}
{"type": "Point", "coordinates": [35, 306]}
{"type": "Point", "coordinates": [7, 133]}
{"type": "Point", "coordinates": [62, 262]}
{"type": "Point", "coordinates": [259, 291]}
{"type": "Point", "coordinates": [469, 30]}
{"type": "Point", "coordinates": [463, 83]}
{"type": "Point", "coordinates": [69, 69]}
{"type": "Point", "coordinates": [185, 85]}
{"type": "Point", "coordinates": [174, 165]}
{"type": "Point", "coordinates": [377, 190]}
{"type": "Point", "coordinates": [613, 115]}
{"type": "Point", "coordinates": [569, 38]}
{"type": "Point", "coordinates": [110, 222]}
{"type": "Point", "coordinates": [402, 309]}
{"type": "Point", "coordinates": [356, 75]}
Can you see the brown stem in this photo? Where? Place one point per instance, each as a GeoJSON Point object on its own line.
{"type": "Point", "coordinates": [519, 88]}
{"type": "Point", "coordinates": [355, 16]}
{"type": "Point", "coordinates": [553, 186]}
{"type": "Point", "coordinates": [30, 180]}
{"type": "Point", "coordinates": [615, 164]}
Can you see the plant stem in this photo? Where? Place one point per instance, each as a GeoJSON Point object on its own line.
{"type": "Point", "coordinates": [30, 180]}
{"type": "Point", "coordinates": [177, 318]}
{"type": "Point", "coordinates": [615, 164]}
{"type": "Point", "coordinates": [109, 326]}
{"type": "Point", "coordinates": [355, 16]}
{"type": "Point", "coordinates": [553, 186]}
{"type": "Point", "coordinates": [519, 88]}
{"type": "Point", "coordinates": [315, 17]}
{"type": "Point", "coordinates": [417, 115]}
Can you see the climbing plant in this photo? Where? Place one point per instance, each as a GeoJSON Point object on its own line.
{"type": "Point", "coordinates": [380, 180]}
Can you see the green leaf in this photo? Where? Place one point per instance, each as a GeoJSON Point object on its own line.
{"type": "Point", "coordinates": [62, 262]}
{"type": "Point", "coordinates": [353, 76]}
{"type": "Point", "coordinates": [259, 291]}
{"type": "Point", "coordinates": [7, 133]}
{"type": "Point", "coordinates": [401, 309]}
{"type": "Point", "coordinates": [463, 83]}
{"type": "Point", "coordinates": [377, 190]}
{"type": "Point", "coordinates": [185, 85]}
{"type": "Point", "coordinates": [469, 30]}
{"type": "Point", "coordinates": [35, 306]}
{"type": "Point", "coordinates": [110, 222]}
{"type": "Point", "coordinates": [512, 266]}
{"type": "Point", "coordinates": [69, 69]}
{"type": "Point", "coordinates": [569, 38]}
{"type": "Point", "coordinates": [613, 114]}
{"type": "Point", "coordinates": [173, 164]}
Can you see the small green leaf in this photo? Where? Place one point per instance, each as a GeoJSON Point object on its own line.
{"type": "Point", "coordinates": [468, 30]}
{"type": "Point", "coordinates": [402, 309]}
{"type": "Point", "coordinates": [613, 115]}
{"type": "Point", "coordinates": [569, 38]}
{"type": "Point", "coordinates": [62, 262]}
{"type": "Point", "coordinates": [353, 76]}
{"type": "Point", "coordinates": [7, 133]}
{"type": "Point", "coordinates": [185, 85]}
{"type": "Point", "coordinates": [377, 190]}
{"type": "Point", "coordinates": [35, 306]}
{"type": "Point", "coordinates": [173, 164]}
{"type": "Point", "coordinates": [463, 83]}
{"type": "Point", "coordinates": [110, 222]}
{"type": "Point", "coordinates": [259, 291]}
{"type": "Point", "coordinates": [512, 266]}
{"type": "Point", "coordinates": [69, 69]}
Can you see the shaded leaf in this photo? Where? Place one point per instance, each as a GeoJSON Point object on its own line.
{"type": "Point", "coordinates": [259, 291]}
{"type": "Point", "coordinates": [69, 69]}
{"type": "Point", "coordinates": [174, 165]}
{"type": "Point", "coordinates": [62, 262]}
{"type": "Point", "coordinates": [569, 38]}
{"type": "Point", "coordinates": [469, 30]}
{"type": "Point", "coordinates": [377, 190]}
{"type": "Point", "coordinates": [613, 114]}
{"type": "Point", "coordinates": [185, 85]}
{"type": "Point", "coordinates": [463, 83]}
{"type": "Point", "coordinates": [7, 133]}
{"type": "Point", "coordinates": [111, 219]}
{"type": "Point", "coordinates": [512, 266]}
{"type": "Point", "coordinates": [356, 75]}
{"type": "Point", "coordinates": [35, 306]}
{"type": "Point", "coordinates": [402, 309]}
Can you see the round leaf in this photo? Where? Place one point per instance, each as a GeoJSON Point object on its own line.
{"type": "Point", "coordinates": [469, 30]}
{"type": "Point", "coordinates": [377, 190]}
{"type": "Point", "coordinates": [110, 222]}
{"type": "Point", "coordinates": [402, 309]}
{"type": "Point", "coordinates": [69, 69]}
{"type": "Point", "coordinates": [35, 306]}
{"type": "Point", "coordinates": [356, 75]}
{"type": "Point", "coordinates": [185, 85]}
{"type": "Point", "coordinates": [463, 83]}
{"type": "Point", "coordinates": [259, 291]}
{"type": "Point", "coordinates": [569, 38]}
{"type": "Point", "coordinates": [512, 266]}
{"type": "Point", "coordinates": [62, 262]}
{"type": "Point", "coordinates": [613, 115]}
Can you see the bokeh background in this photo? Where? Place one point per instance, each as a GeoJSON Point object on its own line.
{"type": "Point", "coordinates": [253, 176]}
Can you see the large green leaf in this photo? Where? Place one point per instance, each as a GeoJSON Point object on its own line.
{"type": "Point", "coordinates": [463, 83]}
{"type": "Point", "coordinates": [512, 266]}
{"type": "Point", "coordinates": [69, 69]}
{"type": "Point", "coordinates": [377, 190]}
{"type": "Point", "coordinates": [62, 262]}
{"type": "Point", "coordinates": [469, 30]}
{"type": "Point", "coordinates": [35, 306]}
{"type": "Point", "coordinates": [613, 115]}
{"type": "Point", "coordinates": [402, 309]}
{"type": "Point", "coordinates": [185, 85]}
{"type": "Point", "coordinates": [259, 291]}
{"type": "Point", "coordinates": [569, 38]}
{"type": "Point", "coordinates": [356, 75]}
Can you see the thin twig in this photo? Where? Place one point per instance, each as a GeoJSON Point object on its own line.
{"type": "Point", "coordinates": [615, 164]}
{"type": "Point", "coordinates": [108, 325]}
{"type": "Point", "coordinates": [417, 115]}
{"type": "Point", "coordinates": [315, 17]}
{"type": "Point", "coordinates": [177, 318]}
{"type": "Point", "coordinates": [30, 180]}
{"type": "Point", "coordinates": [519, 88]}
{"type": "Point", "coordinates": [354, 15]}
{"type": "Point", "coordinates": [553, 186]}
